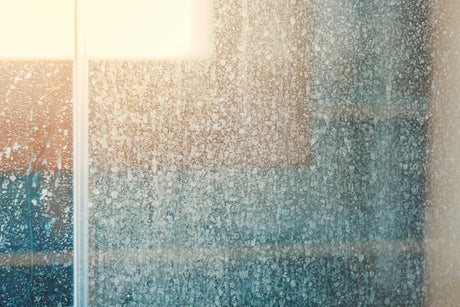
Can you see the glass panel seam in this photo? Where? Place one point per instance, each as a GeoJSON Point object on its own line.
{"type": "Point", "coordinates": [80, 159]}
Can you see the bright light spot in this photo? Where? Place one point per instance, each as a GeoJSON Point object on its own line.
{"type": "Point", "coordinates": [114, 29]}
{"type": "Point", "coordinates": [36, 28]}
{"type": "Point", "coordinates": [148, 28]}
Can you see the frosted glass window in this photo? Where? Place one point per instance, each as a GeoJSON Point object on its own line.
{"type": "Point", "coordinates": [36, 182]}
{"type": "Point", "coordinates": [208, 160]}
{"type": "Point", "coordinates": [230, 153]}
{"type": "Point", "coordinates": [36, 232]}
{"type": "Point", "coordinates": [287, 168]}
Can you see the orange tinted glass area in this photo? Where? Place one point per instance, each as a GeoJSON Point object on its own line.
{"type": "Point", "coordinates": [246, 105]}
{"type": "Point", "coordinates": [35, 116]}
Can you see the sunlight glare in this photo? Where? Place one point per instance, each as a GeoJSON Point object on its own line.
{"type": "Point", "coordinates": [114, 29]}
{"type": "Point", "coordinates": [148, 28]}
{"type": "Point", "coordinates": [36, 28]}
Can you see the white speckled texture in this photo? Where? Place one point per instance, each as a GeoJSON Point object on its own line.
{"type": "Point", "coordinates": [286, 169]}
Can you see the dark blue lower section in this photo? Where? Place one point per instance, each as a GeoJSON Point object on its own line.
{"type": "Point", "coordinates": [44, 286]}
{"type": "Point", "coordinates": [36, 218]}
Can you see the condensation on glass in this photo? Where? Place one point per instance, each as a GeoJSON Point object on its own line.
{"type": "Point", "coordinates": [289, 167]}
{"type": "Point", "coordinates": [309, 155]}
{"type": "Point", "coordinates": [36, 232]}
{"type": "Point", "coordinates": [208, 157]}
{"type": "Point", "coordinates": [36, 183]}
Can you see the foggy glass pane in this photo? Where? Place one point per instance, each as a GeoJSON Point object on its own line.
{"type": "Point", "coordinates": [264, 152]}
{"type": "Point", "coordinates": [35, 177]}
{"type": "Point", "coordinates": [306, 161]}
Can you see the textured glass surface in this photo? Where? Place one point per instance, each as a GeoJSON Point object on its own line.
{"type": "Point", "coordinates": [305, 162]}
{"type": "Point", "coordinates": [310, 158]}
{"type": "Point", "coordinates": [35, 177]}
